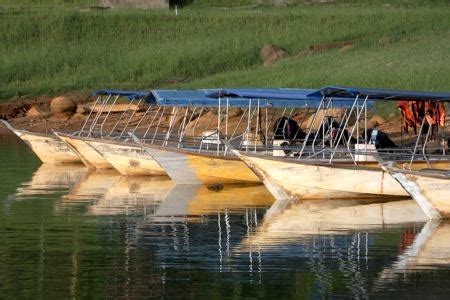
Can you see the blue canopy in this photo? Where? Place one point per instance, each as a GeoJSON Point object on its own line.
{"type": "Point", "coordinates": [379, 94]}
{"type": "Point", "coordinates": [282, 98]}
{"type": "Point", "coordinates": [268, 93]}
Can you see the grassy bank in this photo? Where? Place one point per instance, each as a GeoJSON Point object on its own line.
{"type": "Point", "coordinates": [46, 51]}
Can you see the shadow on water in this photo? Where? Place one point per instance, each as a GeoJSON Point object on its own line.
{"type": "Point", "coordinates": [68, 232]}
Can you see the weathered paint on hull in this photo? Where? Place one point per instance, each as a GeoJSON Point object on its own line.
{"type": "Point", "coordinates": [88, 155]}
{"type": "Point", "coordinates": [49, 149]}
{"type": "Point", "coordinates": [294, 180]}
{"type": "Point", "coordinates": [432, 193]}
{"type": "Point", "coordinates": [185, 167]}
{"type": "Point", "coordinates": [128, 160]}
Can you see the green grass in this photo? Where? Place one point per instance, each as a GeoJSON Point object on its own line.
{"type": "Point", "coordinates": [46, 51]}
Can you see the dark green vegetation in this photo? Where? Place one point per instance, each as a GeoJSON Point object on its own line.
{"type": "Point", "coordinates": [49, 51]}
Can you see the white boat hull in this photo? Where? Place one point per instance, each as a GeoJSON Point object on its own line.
{"type": "Point", "coordinates": [186, 167]}
{"type": "Point", "coordinates": [88, 155]}
{"type": "Point", "coordinates": [49, 149]}
{"type": "Point", "coordinates": [432, 193]}
{"type": "Point", "coordinates": [128, 160]}
{"type": "Point", "coordinates": [295, 180]}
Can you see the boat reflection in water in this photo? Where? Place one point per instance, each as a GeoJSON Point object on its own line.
{"type": "Point", "coordinates": [317, 217]}
{"type": "Point", "coordinates": [198, 200]}
{"type": "Point", "coordinates": [52, 178]}
{"type": "Point", "coordinates": [132, 196]}
{"type": "Point", "coordinates": [155, 234]}
{"type": "Point", "coordinates": [106, 192]}
{"type": "Point", "coordinates": [430, 249]}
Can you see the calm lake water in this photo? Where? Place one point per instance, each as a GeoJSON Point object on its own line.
{"type": "Point", "coordinates": [65, 232]}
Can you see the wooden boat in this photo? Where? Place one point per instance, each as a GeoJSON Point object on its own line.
{"type": "Point", "coordinates": [82, 142]}
{"type": "Point", "coordinates": [309, 177]}
{"type": "Point", "coordinates": [189, 167]}
{"type": "Point", "coordinates": [429, 188]}
{"type": "Point", "coordinates": [295, 180]}
{"type": "Point", "coordinates": [88, 155]}
{"type": "Point", "coordinates": [49, 149]}
{"type": "Point", "coordinates": [128, 160]}
{"type": "Point", "coordinates": [186, 157]}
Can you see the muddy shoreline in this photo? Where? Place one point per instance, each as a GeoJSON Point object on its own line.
{"type": "Point", "coordinates": [16, 113]}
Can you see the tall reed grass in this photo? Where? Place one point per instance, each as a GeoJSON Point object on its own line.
{"type": "Point", "coordinates": [46, 51]}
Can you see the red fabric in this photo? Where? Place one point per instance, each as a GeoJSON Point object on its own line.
{"type": "Point", "coordinates": [435, 113]}
{"type": "Point", "coordinates": [413, 112]}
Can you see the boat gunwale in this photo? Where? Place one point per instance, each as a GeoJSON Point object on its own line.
{"type": "Point", "coordinates": [417, 173]}
{"type": "Point", "coordinates": [340, 164]}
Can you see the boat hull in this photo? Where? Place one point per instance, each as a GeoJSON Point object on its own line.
{"type": "Point", "coordinates": [49, 149]}
{"type": "Point", "coordinates": [186, 167]}
{"type": "Point", "coordinates": [128, 160]}
{"type": "Point", "coordinates": [432, 193]}
{"type": "Point", "coordinates": [296, 180]}
{"type": "Point", "coordinates": [88, 155]}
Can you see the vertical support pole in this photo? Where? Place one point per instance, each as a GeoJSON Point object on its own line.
{"type": "Point", "coordinates": [97, 116]}
{"type": "Point", "coordinates": [257, 126]}
{"type": "Point", "coordinates": [143, 117]}
{"type": "Point", "coordinates": [226, 119]}
{"type": "Point", "coordinates": [310, 127]}
{"type": "Point", "coordinates": [151, 123]}
{"type": "Point", "coordinates": [218, 126]}
{"type": "Point", "coordinates": [120, 119]}
{"type": "Point", "coordinates": [171, 125]}
{"type": "Point", "coordinates": [267, 130]}
{"type": "Point", "coordinates": [417, 142]}
{"type": "Point", "coordinates": [157, 126]}
{"type": "Point", "coordinates": [89, 116]}
{"type": "Point", "coordinates": [183, 127]}
{"type": "Point", "coordinates": [248, 124]}
{"type": "Point", "coordinates": [129, 119]}
{"type": "Point", "coordinates": [107, 115]}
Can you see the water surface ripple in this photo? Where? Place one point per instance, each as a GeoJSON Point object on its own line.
{"type": "Point", "coordinates": [68, 232]}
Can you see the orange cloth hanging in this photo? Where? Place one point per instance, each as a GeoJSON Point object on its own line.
{"type": "Point", "coordinates": [435, 113]}
{"type": "Point", "coordinates": [412, 112]}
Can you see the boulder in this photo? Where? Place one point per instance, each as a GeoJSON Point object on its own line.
{"type": "Point", "coordinates": [33, 112]}
{"type": "Point", "coordinates": [81, 109]}
{"type": "Point", "coordinates": [62, 105]}
{"type": "Point", "coordinates": [377, 120]}
{"type": "Point", "coordinates": [78, 116]}
{"type": "Point", "coordinates": [271, 53]}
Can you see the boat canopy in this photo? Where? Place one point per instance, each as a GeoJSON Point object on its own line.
{"type": "Point", "coordinates": [281, 98]}
{"type": "Point", "coordinates": [269, 93]}
{"type": "Point", "coordinates": [379, 94]}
